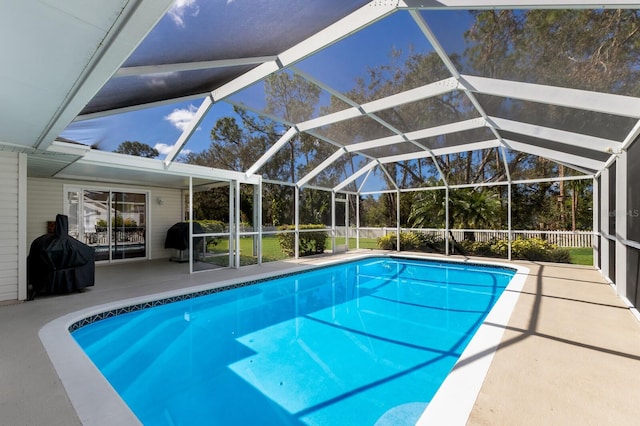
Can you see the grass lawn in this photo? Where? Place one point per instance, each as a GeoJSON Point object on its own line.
{"type": "Point", "coordinates": [271, 250]}
{"type": "Point", "coordinates": [581, 256]}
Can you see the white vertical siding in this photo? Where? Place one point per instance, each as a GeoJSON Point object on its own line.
{"type": "Point", "coordinates": [162, 217]}
{"type": "Point", "coordinates": [9, 214]}
{"type": "Point", "coordinates": [44, 202]}
{"type": "Point", "coordinates": [45, 199]}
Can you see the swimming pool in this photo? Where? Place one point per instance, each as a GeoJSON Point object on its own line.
{"type": "Point", "coordinates": [363, 342]}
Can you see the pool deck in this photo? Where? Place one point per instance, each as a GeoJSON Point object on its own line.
{"type": "Point", "coordinates": [569, 355]}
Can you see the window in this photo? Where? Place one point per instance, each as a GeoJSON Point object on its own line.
{"type": "Point", "coordinates": [113, 222]}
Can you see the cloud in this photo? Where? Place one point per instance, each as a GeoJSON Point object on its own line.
{"type": "Point", "coordinates": [165, 149]}
{"type": "Point", "coordinates": [180, 118]}
{"type": "Point", "coordinates": [181, 8]}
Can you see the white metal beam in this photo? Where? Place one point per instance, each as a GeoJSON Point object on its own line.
{"type": "Point", "coordinates": [444, 56]}
{"type": "Point", "coordinates": [188, 130]}
{"type": "Point", "coordinates": [424, 92]}
{"type": "Point", "coordinates": [313, 173]}
{"type": "Point", "coordinates": [273, 150]}
{"type": "Point", "coordinates": [355, 176]}
{"type": "Point", "coordinates": [560, 136]}
{"type": "Point", "coordinates": [191, 66]}
{"type": "Point", "coordinates": [333, 33]}
{"type": "Point", "coordinates": [473, 146]}
{"type": "Point", "coordinates": [444, 129]}
{"type": "Point", "coordinates": [625, 106]}
{"type": "Point", "coordinates": [127, 29]}
{"type": "Point", "coordinates": [517, 4]}
{"type": "Point", "coordinates": [391, 179]}
{"type": "Point", "coordinates": [555, 155]}
{"type": "Point", "coordinates": [632, 136]}
{"type": "Point", "coordinates": [441, 151]}
{"type": "Point", "coordinates": [430, 90]}
{"type": "Point", "coordinates": [328, 119]}
{"type": "Point", "coordinates": [376, 143]}
{"type": "Point", "coordinates": [359, 189]}
{"type": "Point", "coordinates": [577, 168]}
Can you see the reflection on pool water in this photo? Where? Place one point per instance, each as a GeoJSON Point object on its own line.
{"type": "Point", "coordinates": [363, 342]}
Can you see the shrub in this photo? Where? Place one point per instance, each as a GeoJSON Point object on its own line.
{"type": "Point", "coordinates": [211, 227]}
{"type": "Point", "coordinates": [130, 223]}
{"type": "Point", "coordinates": [408, 241]}
{"type": "Point", "coordinates": [532, 249]}
{"type": "Point", "coordinates": [309, 242]}
{"type": "Point", "coordinates": [560, 255]}
{"type": "Point", "coordinates": [479, 248]}
{"type": "Point", "coordinates": [387, 242]}
{"type": "Point", "coordinates": [117, 222]}
{"type": "Point", "coordinates": [500, 247]}
{"type": "Point", "coordinates": [430, 243]}
{"type": "Point", "coordinates": [412, 241]}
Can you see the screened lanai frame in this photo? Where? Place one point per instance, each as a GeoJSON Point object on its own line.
{"type": "Point", "coordinates": [590, 154]}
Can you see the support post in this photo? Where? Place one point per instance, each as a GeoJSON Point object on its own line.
{"type": "Point", "coordinates": [509, 225]}
{"type": "Point", "coordinates": [333, 222]}
{"type": "Point", "coordinates": [398, 220]}
{"type": "Point", "coordinates": [622, 217]}
{"type": "Point", "coordinates": [595, 208]}
{"type": "Point", "coordinates": [446, 220]}
{"type": "Point", "coordinates": [605, 244]}
{"type": "Point", "coordinates": [257, 222]}
{"type": "Point", "coordinates": [236, 211]}
{"type": "Point", "coordinates": [297, 221]}
{"type": "Point", "coordinates": [191, 224]}
{"type": "Point", "coordinates": [358, 221]}
{"type": "Point", "coordinates": [231, 225]}
{"type": "Point", "coordinates": [346, 222]}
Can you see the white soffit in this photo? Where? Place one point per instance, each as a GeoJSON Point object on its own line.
{"type": "Point", "coordinates": [58, 54]}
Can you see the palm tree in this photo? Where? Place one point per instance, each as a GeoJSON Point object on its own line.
{"type": "Point", "coordinates": [476, 208]}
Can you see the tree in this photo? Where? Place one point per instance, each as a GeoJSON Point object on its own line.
{"type": "Point", "coordinates": [138, 149]}
{"type": "Point", "coordinates": [477, 208]}
{"type": "Point", "coordinates": [238, 141]}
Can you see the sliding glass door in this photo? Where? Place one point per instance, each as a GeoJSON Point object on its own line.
{"type": "Point", "coordinates": [114, 223]}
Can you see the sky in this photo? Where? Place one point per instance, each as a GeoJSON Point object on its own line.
{"type": "Point", "coordinates": [337, 66]}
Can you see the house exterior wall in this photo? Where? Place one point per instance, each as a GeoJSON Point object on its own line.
{"type": "Point", "coordinates": [10, 245]}
{"type": "Point", "coordinates": [45, 198]}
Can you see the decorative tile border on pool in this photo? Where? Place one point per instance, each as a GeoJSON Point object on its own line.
{"type": "Point", "coordinates": [145, 305]}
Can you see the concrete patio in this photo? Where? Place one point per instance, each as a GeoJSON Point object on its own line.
{"type": "Point", "coordinates": [570, 354]}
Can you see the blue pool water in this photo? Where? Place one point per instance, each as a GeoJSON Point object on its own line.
{"type": "Point", "coordinates": [358, 343]}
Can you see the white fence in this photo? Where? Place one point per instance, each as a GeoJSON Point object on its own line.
{"type": "Point", "coordinates": [560, 238]}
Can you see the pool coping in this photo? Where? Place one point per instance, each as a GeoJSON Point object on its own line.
{"type": "Point", "coordinates": [97, 403]}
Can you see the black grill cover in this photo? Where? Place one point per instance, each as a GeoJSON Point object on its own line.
{"type": "Point", "coordinates": [178, 235]}
{"type": "Point", "coordinates": [59, 264]}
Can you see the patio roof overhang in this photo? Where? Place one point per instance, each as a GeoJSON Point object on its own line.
{"type": "Point", "coordinates": [107, 55]}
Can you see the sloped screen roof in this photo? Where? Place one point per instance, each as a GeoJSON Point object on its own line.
{"type": "Point", "coordinates": [214, 35]}
{"type": "Point", "coordinates": [376, 83]}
